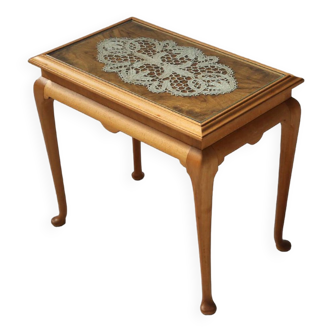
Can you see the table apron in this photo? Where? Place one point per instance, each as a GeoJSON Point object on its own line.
{"type": "Point", "coordinates": [120, 122]}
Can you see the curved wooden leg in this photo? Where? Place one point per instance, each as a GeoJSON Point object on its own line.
{"type": "Point", "coordinates": [46, 116]}
{"type": "Point", "coordinates": [137, 174]}
{"type": "Point", "coordinates": [202, 167]}
{"type": "Point", "coordinates": [289, 132]}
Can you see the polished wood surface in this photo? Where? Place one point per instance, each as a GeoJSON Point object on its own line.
{"type": "Point", "coordinates": [250, 77]}
{"type": "Point", "coordinates": [199, 146]}
{"type": "Point", "coordinates": [46, 117]}
{"type": "Point", "coordinates": [137, 174]}
{"type": "Point", "coordinates": [289, 132]}
{"type": "Point", "coordinates": [202, 167]}
{"type": "Point", "coordinates": [144, 109]}
{"type": "Point", "coordinates": [117, 122]}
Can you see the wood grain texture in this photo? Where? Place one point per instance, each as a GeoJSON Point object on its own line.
{"type": "Point", "coordinates": [250, 133]}
{"type": "Point", "coordinates": [199, 131]}
{"type": "Point", "coordinates": [250, 77]}
{"type": "Point", "coordinates": [118, 122]}
{"type": "Point", "coordinates": [140, 104]}
{"type": "Point", "coordinates": [289, 133]}
{"type": "Point", "coordinates": [46, 116]}
{"type": "Point", "coordinates": [202, 167]}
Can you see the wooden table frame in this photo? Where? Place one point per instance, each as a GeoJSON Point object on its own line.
{"type": "Point", "coordinates": [201, 163]}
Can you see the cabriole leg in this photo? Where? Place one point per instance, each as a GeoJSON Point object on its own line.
{"type": "Point", "coordinates": [289, 132]}
{"type": "Point", "coordinates": [202, 167]}
{"type": "Point", "coordinates": [46, 116]}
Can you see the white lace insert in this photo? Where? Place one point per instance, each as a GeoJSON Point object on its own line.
{"type": "Point", "coordinates": [163, 66]}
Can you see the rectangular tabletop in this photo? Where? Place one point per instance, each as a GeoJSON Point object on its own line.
{"type": "Point", "coordinates": [180, 86]}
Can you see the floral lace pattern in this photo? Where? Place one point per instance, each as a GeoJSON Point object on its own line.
{"type": "Point", "coordinates": [164, 66]}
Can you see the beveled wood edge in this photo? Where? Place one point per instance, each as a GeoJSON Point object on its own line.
{"type": "Point", "coordinates": [253, 131]}
{"type": "Point", "coordinates": [117, 121]}
{"type": "Point", "coordinates": [122, 109]}
{"type": "Point", "coordinates": [122, 97]}
{"type": "Point", "coordinates": [204, 134]}
{"type": "Point", "coordinates": [248, 111]}
{"type": "Point", "coordinates": [244, 105]}
{"type": "Point", "coordinates": [249, 133]}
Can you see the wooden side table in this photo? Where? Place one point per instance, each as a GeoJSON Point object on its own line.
{"type": "Point", "coordinates": [190, 100]}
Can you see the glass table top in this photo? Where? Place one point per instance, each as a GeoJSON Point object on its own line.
{"type": "Point", "coordinates": [184, 76]}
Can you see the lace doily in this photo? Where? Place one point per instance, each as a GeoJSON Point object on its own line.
{"type": "Point", "coordinates": [163, 66]}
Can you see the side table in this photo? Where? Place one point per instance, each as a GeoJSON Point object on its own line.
{"type": "Point", "coordinates": [190, 100]}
